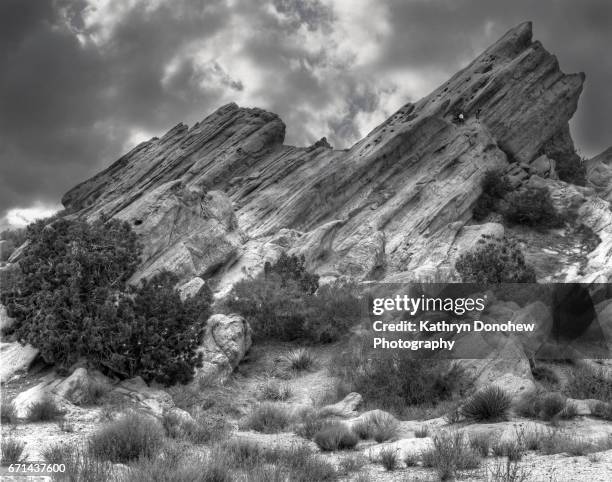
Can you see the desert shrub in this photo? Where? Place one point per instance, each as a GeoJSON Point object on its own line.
{"type": "Point", "coordinates": [551, 405]}
{"type": "Point", "coordinates": [56, 453]}
{"type": "Point", "coordinates": [378, 425]}
{"type": "Point", "coordinates": [383, 426]}
{"type": "Point", "coordinates": [352, 463]}
{"type": "Point", "coordinates": [603, 410]}
{"type": "Point", "coordinates": [491, 403]}
{"type": "Point", "coordinates": [292, 268]}
{"type": "Point", "coordinates": [128, 438]}
{"type": "Point", "coordinates": [451, 453]}
{"type": "Point", "coordinates": [311, 422]}
{"type": "Point", "coordinates": [303, 465]}
{"type": "Point", "coordinates": [8, 412]}
{"type": "Point", "coordinates": [94, 390]}
{"type": "Point", "coordinates": [532, 206]}
{"type": "Point", "coordinates": [569, 411]}
{"type": "Point", "coordinates": [335, 436]}
{"type": "Point", "coordinates": [495, 261]}
{"type": "Point", "coordinates": [508, 471]}
{"type": "Point", "coordinates": [494, 186]}
{"type": "Point", "coordinates": [333, 309]}
{"type": "Point", "coordinates": [383, 383]}
{"type": "Point", "coordinates": [545, 375]}
{"type": "Point", "coordinates": [588, 382]}
{"type": "Point", "coordinates": [530, 438]}
{"type": "Point", "coordinates": [297, 462]}
{"type": "Point", "coordinates": [274, 390]}
{"type": "Point", "coordinates": [558, 442]}
{"type": "Point", "coordinates": [281, 304]}
{"type": "Point", "coordinates": [12, 451]}
{"type": "Point", "coordinates": [412, 459]}
{"type": "Point", "coordinates": [212, 467]}
{"type": "Point", "coordinates": [205, 428]}
{"type": "Point", "coordinates": [268, 417]}
{"type": "Point", "coordinates": [74, 302]}
{"type": "Point", "coordinates": [44, 410]}
{"type": "Point", "coordinates": [300, 359]}
{"type": "Point", "coordinates": [508, 448]}
{"type": "Point", "coordinates": [389, 458]}
{"type": "Point", "coordinates": [421, 432]}
{"type": "Point", "coordinates": [80, 464]}
{"type": "Point", "coordinates": [65, 425]}
{"type": "Point", "coordinates": [570, 168]}
{"type": "Point", "coordinates": [245, 453]}
{"type": "Point", "coordinates": [200, 429]}
{"type": "Point", "coordinates": [481, 443]}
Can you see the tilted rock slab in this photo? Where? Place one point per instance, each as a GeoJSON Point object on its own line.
{"type": "Point", "coordinates": [15, 359]}
{"type": "Point", "coordinates": [211, 197]}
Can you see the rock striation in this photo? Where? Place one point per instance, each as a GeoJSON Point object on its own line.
{"type": "Point", "coordinates": [218, 199]}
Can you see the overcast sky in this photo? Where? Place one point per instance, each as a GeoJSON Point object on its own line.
{"type": "Point", "coordinates": [82, 81]}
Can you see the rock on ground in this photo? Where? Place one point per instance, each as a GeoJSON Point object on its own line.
{"type": "Point", "coordinates": [15, 358]}
{"type": "Point", "coordinates": [226, 340]}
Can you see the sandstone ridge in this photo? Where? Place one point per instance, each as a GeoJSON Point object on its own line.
{"type": "Point", "coordinates": [218, 199]}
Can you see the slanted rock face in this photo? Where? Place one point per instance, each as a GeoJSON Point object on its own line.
{"type": "Point", "coordinates": [15, 358]}
{"type": "Point", "coordinates": [208, 199]}
{"type": "Point", "coordinates": [187, 231]}
{"type": "Point", "coordinates": [599, 174]}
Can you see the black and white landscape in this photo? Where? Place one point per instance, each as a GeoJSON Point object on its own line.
{"type": "Point", "coordinates": [197, 308]}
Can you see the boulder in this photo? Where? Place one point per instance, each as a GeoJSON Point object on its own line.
{"type": "Point", "coordinates": [506, 366]}
{"type": "Point", "coordinates": [226, 341]}
{"type": "Point", "coordinates": [16, 359]}
{"type": "Point", "coordinates": [540, 314]}
{"type": "Point", "coordinates": [42, 391]}
{"type": "Point", "coordinates": [154, 400]}
{"type": "Point", "coordinates": [543, 166]}
{"type": "Point", "coordinates": [347, 407]}
{"type": "Point", "coordinates": [5, 319]}
{"type": "Point", "coordinates": [599, 174]}
{"type": "Point", "coordinates": [76, 387]}
{"type": "Point", "coordinates": [191, 288]}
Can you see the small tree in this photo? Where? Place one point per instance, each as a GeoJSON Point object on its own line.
{"type": "Point", "coordinates": [72, 301]}
{"type": "Point", "coordinates": [495, 261]}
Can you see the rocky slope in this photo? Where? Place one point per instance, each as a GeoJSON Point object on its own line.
{"type": "Point", "coordinates": [218, 199]}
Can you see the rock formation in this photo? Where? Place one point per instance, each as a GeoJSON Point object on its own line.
{"type": "Point", "coordinates": [599, 174]}
{"type": "Point", "coordinates": [220, 198]}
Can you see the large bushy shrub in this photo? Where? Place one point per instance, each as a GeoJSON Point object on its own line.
{"type": "Point", "coordinates": [494, 186]}
{"type": "Point", "coordinates": [293, 269]}
{"type": "Point", "coordinates": [285, 303]}
{"type": "Point", "coordinates": [131, 437]}
{"type": "Point", "coordinates": [532, 206]}
{"type": "Point", "coordinates": [491, 403]}
{"type": "Point", "coordinates": [495, 261]}
{"type": "Point", "coordinates": [73, 301]}
{"type": "Point", "coordinates": [393, 381]}
{"type": "Point", "coordinates": [571, 169]}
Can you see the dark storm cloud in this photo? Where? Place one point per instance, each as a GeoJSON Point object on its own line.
{"type": "Point", "coordinates": [82, 79]}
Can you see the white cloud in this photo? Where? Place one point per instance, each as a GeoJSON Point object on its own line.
{"type": "Point", "coordinates": [21, 217]}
